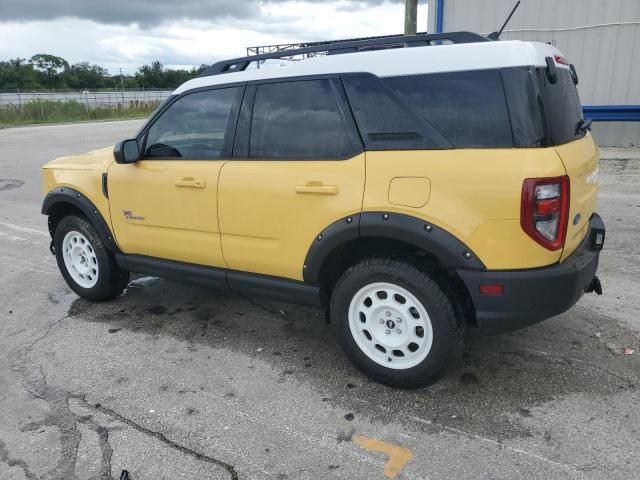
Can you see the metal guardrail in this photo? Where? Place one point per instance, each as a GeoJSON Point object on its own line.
{"type": "Point", "coordinates": [612, 113]}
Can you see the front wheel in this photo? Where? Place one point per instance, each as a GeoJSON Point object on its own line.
{"type": "Point", "coordinates": [85, 263]}
{"type": "Point", "coordinates": [395, 322]}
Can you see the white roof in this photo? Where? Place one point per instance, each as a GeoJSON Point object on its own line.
{"type": "Point", "coordinates": [399, 61]}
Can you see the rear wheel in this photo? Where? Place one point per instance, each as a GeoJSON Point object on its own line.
{"type": "Point", "coordinates": [85, 263]}
{"type": "Point", "coordinates": [395, 322]}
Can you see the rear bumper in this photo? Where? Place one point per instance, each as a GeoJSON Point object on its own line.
{"type": "Point", "coordinates": [530, 296]}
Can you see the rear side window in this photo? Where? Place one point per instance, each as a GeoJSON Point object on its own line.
{"type": "Point", "coordinates": [561, 104]}
{"type": "Point", "coordinates": [468, 108]}
{"type": "Point", "coordinates": [193, 127]}
{"type": "Point", "coordinates": [299, 119]}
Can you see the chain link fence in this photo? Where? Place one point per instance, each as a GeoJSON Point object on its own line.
{"type": "Point", "coordinates": [91, 99]}
{"type": "Point", "coordinates": [18, 108]}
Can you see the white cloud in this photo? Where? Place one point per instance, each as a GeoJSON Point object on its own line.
{"type": "Point", "coordinates": [193, 42]}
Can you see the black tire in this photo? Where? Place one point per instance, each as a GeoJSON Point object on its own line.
{"type": "Point", "coordinates": [448, 330]}
{"type": "Point", "coordinates": [111, 280]}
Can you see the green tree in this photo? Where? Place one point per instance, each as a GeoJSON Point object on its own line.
{"type": "Point", "coordinates": [156, 76]}
{"type": "Point", "coordinates": [51, 66]}
{"type": "Point", "coordinates": [17, 73]}
{"type": "Point", "coordinates": [50, 71]}
{"type": "Point", "coordinates": [83, 75]}
{"type": "Point", "coordinates": [151, 76]}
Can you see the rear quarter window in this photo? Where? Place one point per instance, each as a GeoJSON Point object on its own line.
{"type": "Point", "coordinates": [468, 108]}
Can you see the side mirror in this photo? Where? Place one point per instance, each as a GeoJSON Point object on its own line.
{"type": "Point", "coordinates": [127, 151]}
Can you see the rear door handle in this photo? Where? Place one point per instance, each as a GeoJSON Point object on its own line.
{"type": "Point", "coordinates": [317, 189]}
{"type": "Point", "coordinates": [190, 182]}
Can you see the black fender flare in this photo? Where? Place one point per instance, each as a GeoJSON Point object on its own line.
{"type": "Point", "coordinates": [73, 197]}
{"type": "Point", "coordinates": [436, 241]}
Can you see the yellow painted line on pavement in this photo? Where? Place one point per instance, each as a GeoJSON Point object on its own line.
{"type": "Point", "coordinates": [397, 457]}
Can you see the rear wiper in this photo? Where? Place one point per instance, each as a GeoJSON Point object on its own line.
{"type": "Point", "coordinates": [583, 125]}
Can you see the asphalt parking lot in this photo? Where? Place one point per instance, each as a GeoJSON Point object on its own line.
{"type": "Point", "coordinates": [171, 381]}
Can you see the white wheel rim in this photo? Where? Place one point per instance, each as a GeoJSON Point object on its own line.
{"type": "Point", "coordinates": [390, 325]}
{"type": "Point", "coordinates": [80, 259]}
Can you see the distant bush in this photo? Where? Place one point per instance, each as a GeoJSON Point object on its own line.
{"type": "Point", "coordinates": [47, 111]}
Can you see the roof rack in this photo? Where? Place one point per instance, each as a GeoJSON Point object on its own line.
{"type": "Point", "coordinates": [346, 46]}
{"type": "Point", "coordinates": [259, 50]}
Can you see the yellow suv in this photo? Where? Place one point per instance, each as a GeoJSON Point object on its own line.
{"type": "Point", "coordinates": [410, 192]}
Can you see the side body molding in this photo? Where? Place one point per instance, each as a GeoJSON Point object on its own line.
{"type": "Point", "coordinates": [70, 196]}
{"type": "Point", "coordinates": [393, 226]}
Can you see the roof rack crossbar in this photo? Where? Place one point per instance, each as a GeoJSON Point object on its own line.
{"type": "Point", "coordinates": [345, 46]}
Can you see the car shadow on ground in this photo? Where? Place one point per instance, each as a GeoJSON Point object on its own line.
{"type": "Point", "coordinates": [499, 378]}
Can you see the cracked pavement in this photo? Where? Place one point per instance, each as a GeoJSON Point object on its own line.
{"type": "Point", "coordinates": [173, 381]}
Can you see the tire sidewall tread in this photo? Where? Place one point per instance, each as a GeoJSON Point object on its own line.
{"type": "Point", "coordinates": [111, 279]}
{"type": "Point", "coordinates": [448, 333]}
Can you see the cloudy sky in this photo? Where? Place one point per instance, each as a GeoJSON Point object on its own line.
{"type": "Point", "coordinates": [127, 33]}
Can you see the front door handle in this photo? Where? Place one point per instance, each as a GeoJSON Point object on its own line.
{"type": "Point", "coordinates": [317, 189]}
{"type": "Point", "coordinates": [190, 182]}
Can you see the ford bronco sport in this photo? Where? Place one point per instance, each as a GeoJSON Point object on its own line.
{"type": "Point", "coordinates": [412, 193]}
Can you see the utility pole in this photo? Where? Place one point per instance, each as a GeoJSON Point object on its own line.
{"type": "Point", "coordinates": [410, 17]}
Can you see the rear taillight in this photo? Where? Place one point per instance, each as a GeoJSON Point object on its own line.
{"type": "Point", "coordinates": [545, 209]}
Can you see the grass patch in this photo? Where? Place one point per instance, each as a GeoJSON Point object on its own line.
{"type": "Point", "coordinates": [47, 111]}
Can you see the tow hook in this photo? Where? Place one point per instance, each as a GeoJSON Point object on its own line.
{"type": "Point", "coordinates": [594, 286]}
{"type": "Point", "coordinates": [52, 249]}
